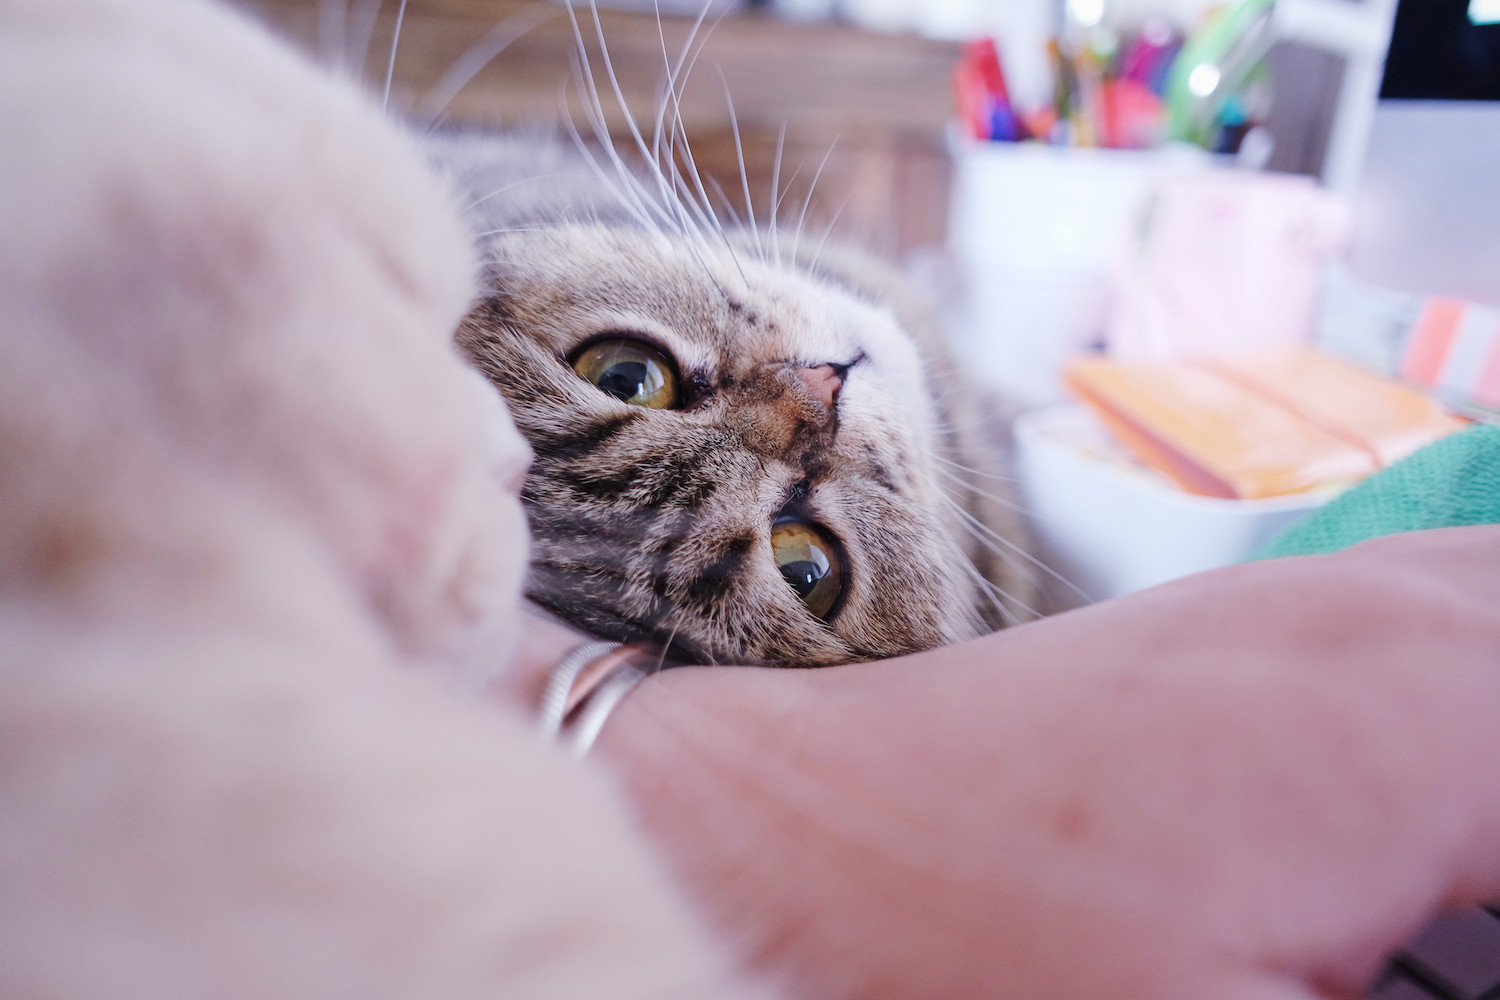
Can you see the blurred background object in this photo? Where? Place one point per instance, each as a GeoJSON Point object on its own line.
{"type": "Point", "coordinates": [1428, 205]}
{"type": "Point", "coordinates": [876, 105]}
{"type": "Point", "coordinates": [881, 99]}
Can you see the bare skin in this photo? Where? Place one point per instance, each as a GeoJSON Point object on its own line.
{"type": "Point", "coordinates": [1249, 785]}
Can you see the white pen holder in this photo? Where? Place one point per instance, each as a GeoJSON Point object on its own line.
{"type": "Point", "coordinates": [1037, 231]}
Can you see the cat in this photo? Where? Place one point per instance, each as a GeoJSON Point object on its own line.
{"type": "Point", "coordinates": [252, 531]}
{"type": "Point", "coordinates": [749, 446]}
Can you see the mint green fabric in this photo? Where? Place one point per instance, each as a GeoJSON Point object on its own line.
{"type": "Point", "coordinates": [1451, 482]}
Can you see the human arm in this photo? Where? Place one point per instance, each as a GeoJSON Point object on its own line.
{"type": "Point", "coordinates": [1252, 784]}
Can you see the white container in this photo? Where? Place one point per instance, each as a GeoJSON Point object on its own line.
{"type": "Point", "coordinates": [1111, 528]}
{"type": "Point", "coordinates": [1037, 231]}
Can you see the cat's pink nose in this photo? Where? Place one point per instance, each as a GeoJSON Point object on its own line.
{"type": "Point", "coordinates": [825, 381]}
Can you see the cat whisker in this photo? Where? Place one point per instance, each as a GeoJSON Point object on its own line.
{"type": "Point", "coordinates": [776, 209]}
{"type": "Point", "coordinates": [975, 472]}
{"type": "Point", "coordinates": [609, 72]}
{"type": "Point", "coordinates": [693, 227]}
{"type": "Point", "coordinates": [812, 265]}
{"type": "Point", "coordinates": [676, 80]}
{"type": "Point", "coordinates": [639, 202]}
{"type": "Point", "coordinates": [677, 75]}
{"type": "Point", "coordinates": [390, 66]}
{"type": "Point", "coordinates": [739, 152]}
{"type": "Point", "coordinates": [630, 196]}
{"type": "Point", "coordinates": [775, 196]}
{"type": "Point", "coordinates": [978, 526]}
{"type": "Point", "coordinates": [712, 218]}
{"type": "Point", "coordinates": [802, 217]}
{"type": "Point", "coordinates": [480, 55]}
{"type": "Point", "coordinates": [670, 99]}
{"type": "Point", "coordinates": [996, 595]}
{"type": "Point", "coordinates": [661, 658]}
{"type": "Point", "coordinates": [1002, 600]}
{"type": "Point", "coordinates": [981, 422]}
{"type": "Point", "coordinates": [659, 119]}
{"type": "Point", "coordinates": [687, 155]}
{"type": "Point", "coordinates": [674, 176]}
{"type": "Point", "coordinates": [513, 229]}
{"type": "Point", "coordinates": [614, 83]}
{"type": "Point", "coordinates": [990, 538]}
{"type": "Point", "coordinates": [1002, 501]}
{"type": "Point", "coordinates": [985, 533]}
{"type": "Point", "coordinates": [694, 246]}
{"type": "Point", "coordinates": [685, 206]}
{"type": "Point", "coordinates": [343, 36]}
{"type": "Point", "coordinates": [700, 244]}
{"type": "Point", "coordinates": [681, 187]}
{"type": "Point", "coordinates": [734, 215]}
{"type": "Point", "coordinates": [681, 85]}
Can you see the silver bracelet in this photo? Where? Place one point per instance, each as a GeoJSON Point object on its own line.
{"type": "Point", "coordinates": [584, 689]}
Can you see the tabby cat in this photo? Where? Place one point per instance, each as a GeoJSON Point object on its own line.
{"type": "Point", "coordinates": [748, 447]}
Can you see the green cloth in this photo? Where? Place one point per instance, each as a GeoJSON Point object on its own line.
{"type": "Point", "coordinates": [1451, 482]}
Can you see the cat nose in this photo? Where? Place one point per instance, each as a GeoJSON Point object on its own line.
{"type": "Point", "coordinates": [824, 381]}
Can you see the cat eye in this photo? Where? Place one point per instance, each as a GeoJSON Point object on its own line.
{"type": "Point", "coordinates": [630, 370]}
{"type": "Point", "coordinates": [810, 564]}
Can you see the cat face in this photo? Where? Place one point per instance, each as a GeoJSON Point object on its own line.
{"type": "Point", "coordinates": [731, 455]}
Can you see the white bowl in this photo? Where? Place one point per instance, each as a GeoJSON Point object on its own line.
{"type": "Point", "coordinates": [1110, 527]}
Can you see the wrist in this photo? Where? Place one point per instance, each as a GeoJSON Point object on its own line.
{"type": "Point", "coordinates": [725, 770]}
{"type": "Point", "coordinates": [543, 641]}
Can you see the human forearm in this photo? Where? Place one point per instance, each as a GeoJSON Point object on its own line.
{"type": "Point", "coordinates": [1272, 771]}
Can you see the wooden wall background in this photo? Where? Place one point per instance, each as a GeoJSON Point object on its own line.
{"type": "Point", "coordinates": [879, 102]}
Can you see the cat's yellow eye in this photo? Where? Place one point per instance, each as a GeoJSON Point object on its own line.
{"type": "Point", "coordinates": [630, 370]}
{"type": "Point", "coordinates": [809, 562]}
